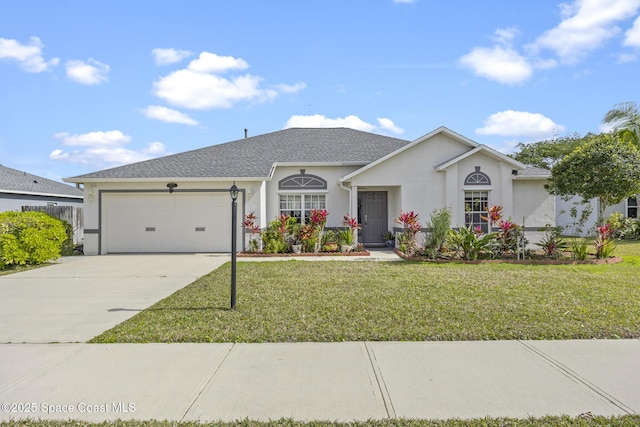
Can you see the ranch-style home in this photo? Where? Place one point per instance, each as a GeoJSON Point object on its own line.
{"type": "Point", "coordinates": [181, 202]}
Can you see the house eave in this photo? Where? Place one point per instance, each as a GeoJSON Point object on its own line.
{"type": "Point", "coordinates": [80, 180]}
{"type": "Point", "coordinates": [33, 193]}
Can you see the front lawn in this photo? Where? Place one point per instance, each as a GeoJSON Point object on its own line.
{"type": "Point", "coordinates": [295, 301]}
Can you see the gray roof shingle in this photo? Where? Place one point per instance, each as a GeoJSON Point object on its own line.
{"type": "Point", "coordinates": [15, 181]}
{"type": "Point", "coordinates": [254, 157]}
{"type": "Point", "coordinates": [531, 171]}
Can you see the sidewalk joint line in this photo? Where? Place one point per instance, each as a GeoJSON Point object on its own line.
{"type": "Point", "coordinates": [209, 381]}
{"type": "Point", "coordinates": [568, 372]}
{"type": "Point", "coordinates": [382, 386]}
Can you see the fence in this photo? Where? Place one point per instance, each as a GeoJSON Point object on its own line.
{"type": "Point", "coordinates": [72, 214]}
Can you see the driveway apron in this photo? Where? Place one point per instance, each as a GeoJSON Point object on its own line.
{"type": "Point", "coordinates": [81, 297]}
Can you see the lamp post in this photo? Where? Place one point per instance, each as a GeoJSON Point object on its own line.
{"type": "Point", "coordinates": [233, 191]}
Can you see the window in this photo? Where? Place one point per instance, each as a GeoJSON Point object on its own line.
{"type": "Point", "coordinates": [300, 205]}
{"type": "Point", "coordinates": [475, 206]}
{"type": "Point", "coordinates": [477, 178]}
{"type": "Point", "coordinates": [302, 181]}
{"type": "Point", "coordinates": [632, 207]}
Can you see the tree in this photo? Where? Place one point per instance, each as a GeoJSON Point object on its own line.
{"type": "Point", "coordinates": [625, 119]}
{"type": "Point", "coordinates": [545, 154]}
{"type": "Point", "coordinates": [606, 167]}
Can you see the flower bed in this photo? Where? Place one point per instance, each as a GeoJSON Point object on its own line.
{"type": "Point", "coordinates": [303, 254]}
{"type": "Point", "coordinates": [529, 261]}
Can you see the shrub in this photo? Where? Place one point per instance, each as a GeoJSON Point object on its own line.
{"type": "Point", "coordinates": [552, 242]}
{"type": "Point", "coordinates": [274, 237]}
{"type": "Point", "coordinates": [470, 243]}
{"type": "Point", "coordinates": [30, 238]}
{"type": "Point", "coordinates": [605, 243]}
{"type": "Point", "coordinates": [439, 225]}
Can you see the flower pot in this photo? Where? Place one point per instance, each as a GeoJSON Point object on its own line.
{"type": "Point", "coordinates": [346, 248]}
{"type": "Point", "coordinates": [296, 249]}
{"type": "Point", "coordinates": [330, 247]}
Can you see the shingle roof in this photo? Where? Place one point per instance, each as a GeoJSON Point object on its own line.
{"type": "Point", "coordinates": [15, 181]}
{"type": "Point", "coordinates": [254, 157]}
{"type": "Point", "coordinates": [531, 171]}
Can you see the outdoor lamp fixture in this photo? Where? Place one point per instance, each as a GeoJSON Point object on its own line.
{"type": "Point", "coordinates": [233, 191]}
{"type": "Point", "coordinates": [171, 186]}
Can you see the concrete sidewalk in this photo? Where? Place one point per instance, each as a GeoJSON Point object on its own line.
{"type": "Point", "coordinates": [319, 381]}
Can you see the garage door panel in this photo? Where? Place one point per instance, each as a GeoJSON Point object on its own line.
{"type": "Point", "coordinates": [188, 222]}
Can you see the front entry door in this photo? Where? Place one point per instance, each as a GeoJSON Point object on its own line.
{"type": "Point", "coordinates": [372, 214]}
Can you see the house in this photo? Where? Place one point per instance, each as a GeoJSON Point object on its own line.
{"type": "Point", "coordinates": [181, 202]}
{"type": "Point", "coordinates": [564, 218]}
{"type": "Point", "coordinates": [24, 191]}
{"type": "Point", "coordinates": [18, 189]}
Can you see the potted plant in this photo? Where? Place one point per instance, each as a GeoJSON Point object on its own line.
{"type": "Point", "coordinates": [346, 240]}
{"type": "Point", "coordinates": [348, 234]}
{"type": "Point", "coordinates": [330, 241]}
{"type": "Point", "coordinates": [294, 237]}
{"type": "Point", "coordinates": [389, 238]}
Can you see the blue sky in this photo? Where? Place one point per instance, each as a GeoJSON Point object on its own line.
{"type": "Point", "coordinates": [90, 85]}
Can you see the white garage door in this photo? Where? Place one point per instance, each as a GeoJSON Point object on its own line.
{"type": "Point", "coordinates": [163, 222]}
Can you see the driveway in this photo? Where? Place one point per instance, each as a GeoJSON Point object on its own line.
{"type": "Point", "coordinates": [81, 297]}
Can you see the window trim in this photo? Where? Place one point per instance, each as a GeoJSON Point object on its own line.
{"type": "Point", "coordinates": [475, 173]}
{"type": "Point", "coordinates": [464, 203]}
{"type": "Point", "coordinates": [302, 201]}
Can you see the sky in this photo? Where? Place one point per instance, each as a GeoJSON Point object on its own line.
{"type": "Point", "coordinates": [87, 85]}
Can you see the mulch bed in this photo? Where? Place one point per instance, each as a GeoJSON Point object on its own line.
{"type": "Point", "coordinates": [532, 261]}
{"type": "Point", "coordinates": [305, 254]}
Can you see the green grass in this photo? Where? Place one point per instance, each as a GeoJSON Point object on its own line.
{"type": "Point", "coordinates": [297, 301]}
{"type": "Point", "coordinates": [625, 421]}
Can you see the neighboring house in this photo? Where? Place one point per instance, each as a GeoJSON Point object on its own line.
{"type": "Point", "coordinates": [628, 207]}
{"type": "Point", "coordinates": [133, 208]}
{"type": "Point", "coordinates": [18, 189]}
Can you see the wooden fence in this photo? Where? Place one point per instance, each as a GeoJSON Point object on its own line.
{"type": "Point", "coordinates": [72, 214]}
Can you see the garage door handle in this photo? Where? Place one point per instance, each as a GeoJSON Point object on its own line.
{"type": "Point", "coordinates": [150, 229]}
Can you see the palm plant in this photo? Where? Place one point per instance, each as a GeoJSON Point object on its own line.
{"type": "Point", "coordinates": [625, 118]}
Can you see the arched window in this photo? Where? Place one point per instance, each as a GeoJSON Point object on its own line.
{"type": "Point", "coordinates": [302, 181]}
{"type": "Point", "coordinates": [477, 178]}
{"type": "Point", "coordinates": [302, 193]}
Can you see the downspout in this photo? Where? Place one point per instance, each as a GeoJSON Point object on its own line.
{"type": "Point", "coordinates": [348, 189]}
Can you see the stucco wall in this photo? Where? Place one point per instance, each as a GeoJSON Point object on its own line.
{"type": "Point", "coordinates": [411, 179]}
{"type": "Point", "coordinates": [92, 192]}
{"type": "Point", "coordinates": [337, 198]}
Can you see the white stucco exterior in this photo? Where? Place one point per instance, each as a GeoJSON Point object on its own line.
{"type": "Point", "coordinates": [423, 176]}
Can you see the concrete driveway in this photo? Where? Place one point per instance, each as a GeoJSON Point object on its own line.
{"type": "Point", "coordinates": [81, 297]}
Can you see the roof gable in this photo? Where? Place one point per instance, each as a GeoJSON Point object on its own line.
{"type": "Point", "coordinates": [254, 157]}
{"type": "Point", "coordinates": [441, 130]}
{"type": "Point", "coordinates": [484, 150]}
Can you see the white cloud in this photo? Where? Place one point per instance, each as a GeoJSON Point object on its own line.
{"type": "Point", "coordinates": [200, 87]}
{"type": "Point", "coordinates": [169, 56]}
{"type": "Point", "coordinates": [501, 64]}
{"type": "Point", "coordinates": [209, 62]}
{"type": "Point", "coordinates": [586, 26]}
{"type": "Point", "coordinates": [519, 124]}
{"type": "Point", "coordinates": [168, 115]}
{"type": "Point", "coordinates": [351, 121]}
{"type": "Point", "coordinates": [387, 124]}
{"type": "Point", "coordinates": [103, 149]}
{"type": "Point", "coordinates": [632, 36]}
{"type": "Point", "coordinates": [91, 72]}
{"type": "Point", "coordinates": [29, 55]}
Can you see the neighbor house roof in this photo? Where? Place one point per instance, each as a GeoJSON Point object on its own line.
{"type": "Point", "coordinates": [18, 182]}
{"type": "Point", "coordinates": [254, 157]}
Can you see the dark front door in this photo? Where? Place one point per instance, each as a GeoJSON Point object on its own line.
{"type": "Point", "coordinates": [372, 214]}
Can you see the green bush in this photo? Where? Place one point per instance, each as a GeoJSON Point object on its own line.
{"type": "Point", "coordinates": [439, 226]}
{"type": "Point", "coordinates": [29, 238]}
